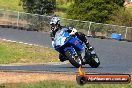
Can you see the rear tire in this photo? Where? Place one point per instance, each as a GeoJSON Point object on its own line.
{"type": "Point", "coordinates": [94, 61]}
{"type": "Point", "coordinates": [72, 58]}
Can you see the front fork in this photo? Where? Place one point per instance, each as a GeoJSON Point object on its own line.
{"type": "Point", "coordinates": [83, 54]}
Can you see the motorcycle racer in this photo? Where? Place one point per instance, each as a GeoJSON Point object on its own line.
{"type": "Point", "coordinates": [55, 26]}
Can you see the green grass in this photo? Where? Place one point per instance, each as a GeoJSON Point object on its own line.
{"type": "Point", "coordinates": [61, 14]}
{"type": "Point", "coordinates": [10, 5]}
{"type": "Point", "coordinates": [62, 7]}
{"type": "Point", "coordinates": [14, 5]}
{"type": "Point", "coordinates": [63, 84]}
{"type": "Point", "coordinates": [20, 53]}
{"type": "Point", "coordinates": [130, 9]}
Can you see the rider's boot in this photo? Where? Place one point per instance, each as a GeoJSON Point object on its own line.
{"type": "Point", "coordinates": [90, 48]}
{"type": "Point", "coordinates": [62, 58]}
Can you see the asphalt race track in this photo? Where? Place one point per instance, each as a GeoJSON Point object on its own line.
{"type": "Point", "coordinates": [115, 56]}
{"type": "Point", "coordinates": [26, 36]}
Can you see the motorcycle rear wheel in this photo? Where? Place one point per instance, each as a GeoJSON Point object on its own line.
{"type": "Point", "coordinates": [94, 61]}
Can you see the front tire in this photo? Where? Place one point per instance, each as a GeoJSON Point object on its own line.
{"type": "Point", "coordinates": [74, 60]}
{"type": "Point", "coordinates": [62, 58]}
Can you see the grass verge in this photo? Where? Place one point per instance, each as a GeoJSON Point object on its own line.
{"type": "Point", "coordinates": [10, 5]}
{"type": "Point", "coordinates": [63, 84]}
{"type": "Point", "coordinates": [19, 53]}
{"type": "Point", "coordinates": [62, 7]}
{"type": "Point", "coordinates": [15, 6]}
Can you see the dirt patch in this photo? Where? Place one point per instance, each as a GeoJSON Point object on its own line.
{"type": "Point", "coordinates": [129, 5]}
{"type": "Point", "coordinates": [17, 77]}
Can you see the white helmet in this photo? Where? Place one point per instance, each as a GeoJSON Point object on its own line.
{"type": "Point", "coordinates": [55, 21]}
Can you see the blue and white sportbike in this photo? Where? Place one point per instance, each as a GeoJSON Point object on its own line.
{"type": "Point", "coordinates": [73, 49]}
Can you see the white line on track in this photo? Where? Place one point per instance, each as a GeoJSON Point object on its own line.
{"type": "Point", "coordinates": [21, 42]}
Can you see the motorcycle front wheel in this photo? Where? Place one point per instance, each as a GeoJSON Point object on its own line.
{"type": "Point", "coordinates": [73, 59]}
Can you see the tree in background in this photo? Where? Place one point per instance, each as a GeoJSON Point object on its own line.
{"type": "Point", "coordinates": [38, 6]}
{"type": "Point", "coordinates": [94, 10]}
{"type": "Point", "coordinates": [122, 17]}
{"type": "Point", "coordinates": [42, 7]}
